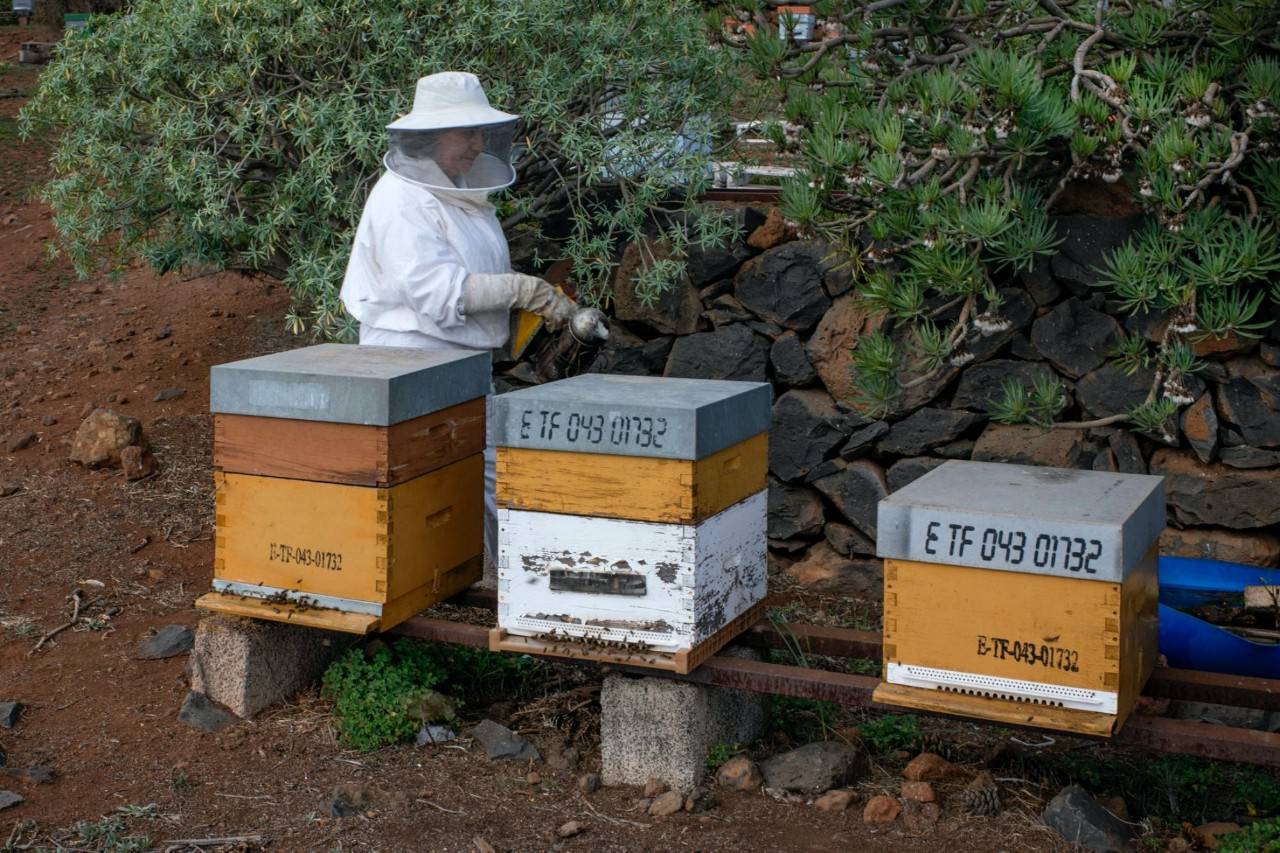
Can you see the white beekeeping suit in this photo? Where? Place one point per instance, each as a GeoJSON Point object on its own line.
{"type": "Point", "coordinates": [430, 267]}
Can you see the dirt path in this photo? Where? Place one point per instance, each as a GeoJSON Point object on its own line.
{"type": "Point", "coordinates": [104, 721]}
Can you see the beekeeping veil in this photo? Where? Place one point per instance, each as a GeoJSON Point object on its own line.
{"type": "Point", "coordinates": [452, 142]}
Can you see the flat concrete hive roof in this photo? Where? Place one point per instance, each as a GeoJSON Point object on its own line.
{"type": "Point", "coordinates": [346, 383]}
{"type": "Point", "coordinates": [633, 415]}
{"type": "Point", "coordinates": [1088, 524]}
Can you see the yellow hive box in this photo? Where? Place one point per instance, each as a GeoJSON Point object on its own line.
{"type": "Point", "coordinates": [642, 488]}
{"type": "Point", "coordinates": [349, 483]}
{"type": "Point", "coordinates": [1021, 594]}
{"type": "Point", "coordinates": [379, 554]}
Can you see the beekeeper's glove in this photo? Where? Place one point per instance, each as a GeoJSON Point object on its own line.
{"type": "Point", "coordinates": [503, 291]}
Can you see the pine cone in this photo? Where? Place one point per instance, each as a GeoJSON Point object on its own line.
{"type": "Point", "coordinates": [982, 796]}
{"type": "Point", "coordinates": [937, 744]}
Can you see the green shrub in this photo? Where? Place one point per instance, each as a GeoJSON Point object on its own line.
{"type": "Point", "coordinates": [1260, 837]}
{"type": "Point", "coordinates": [374, 690]}
{"type": "Point", "coordinates": [245, 136]}
{"type": "Point", "coordinates": [803, 720]}
{"type": "Point", "coordinates": [890, 733]}
{"type": "Point", "coordinates": [934, 139]}
{"type": "Point", "coordinates": [719, 753]}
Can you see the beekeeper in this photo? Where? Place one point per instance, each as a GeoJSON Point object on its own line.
{"type": "Point", "coordinates": [430, 267]}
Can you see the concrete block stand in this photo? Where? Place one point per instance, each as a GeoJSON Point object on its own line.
{"type": "Point", "coordinates": [660, 728]}
{"type": "Point", "coordinates": [246, 665]}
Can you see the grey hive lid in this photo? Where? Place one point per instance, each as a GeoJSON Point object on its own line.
{"type": "Point", "coordinates": [633, 415]}
{"type": "Point", "coordinates": [349, 384]}
{"type": "Point", "coordinates": [1082, 524]}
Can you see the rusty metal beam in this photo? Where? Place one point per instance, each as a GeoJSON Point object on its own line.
{"type": "Point", "coordinates": [1193, 686]}
{"type": "Point", "coordinates": [813, 640]}
{"type": "Point", "coordinates": [1205, 740]}
{"type": "Point", "coordinates": [444, 631]}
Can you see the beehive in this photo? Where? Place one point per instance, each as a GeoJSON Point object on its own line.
{"type": "Point", "coordinates": [349, 483]}
{"type": "Point", "coordinates": [1021, 594]}
{"type": "Point", "coordinates": [631, 517]}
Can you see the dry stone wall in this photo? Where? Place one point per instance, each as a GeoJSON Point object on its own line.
{"type": "Point", "coordinates": [771, 308]}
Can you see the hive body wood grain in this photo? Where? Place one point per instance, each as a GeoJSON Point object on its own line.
{"type": "Point", "coordinates": [639, 488]}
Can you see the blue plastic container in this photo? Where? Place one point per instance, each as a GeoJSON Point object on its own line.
{"type": "Point", "coordinates": [1191, 643]}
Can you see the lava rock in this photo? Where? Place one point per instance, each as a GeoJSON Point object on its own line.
{"type": "Point", "coordinates": [589, 783]}
{"type": "Point", "coordinates": [847, 541]}
{"type": "Point", "coordinates": [805, 426]}
{"type": "Point", "coordinates": [570, 829]}
{"type": "Point", "coordinates": [824, 570]}
{"type": "Point", "coordinates": [20, 440]}
{"type": "Point", "coordinates": [772, 232]}
{"type": "Point", "coordinates": [880, 810]}
{"type": "Point", "coordinates": [793, 511]}
{"type": "Point", "coordinates": [9, 713]}
{"type": "Point", "coordinates": [920, 817]}
{"type": "Point", "coordinates": [815, 768]}
{"type": "Point", "coordinates": [833, 342]}
{"type": "Point", "coordinates": [350, 800]}
{"type": "Point", "coordinates": [1200, 426]}
{"type": "Point", "coordinates": [676, 309]}
{"type": "Point", "coordinates": [170, 641]}
{"type": "Point", "coordinates": [9, 798]}
{"type": "Point", "coordinates": [785, 286]}
{"type": "Point", "coordinates": [725, 309]}
{"type": "Point", "coordinates": [919, 791]}
{"type": "Point", "coordinates": [1110, 391]}
{"type": "Point", "coordinates": [1040, 284]}
{"type": "Point", "coordinates": [1243, 404]}
{"type": "Point", "coordinates": [1075, 338]}
{"type": "Point", "coordinates": [1229, 546]}
{"type": "Point", "coordinates": [1077, 817]}
{"type": "Point", "coordinates": [1030, 445]}
{"type": "Point", "coordinates": [740, 774]}
{"type": "Point", "coordinates": [861, 440]}
{"type": "Point", "coordinates": [982, 385]}
{"type": "Point", "coordinates": [926, 429]}
{"type": "Point", "coordinates": [961, 449]}
{"type": "Point", "coordinates": [1129, 458]}
{"type": "Point", "coordinates": [1085, 243]}
{"type": "Point", "coordinates": [627, 355]}
{"type": "Point", "coordinates": [834, 801]}
{"type": "Point", "coordinates": [707, 264]}
{"type": "Point", "coordinates": [199, 713]}
{"type": "Point", "coordinates": [165, 394]}
{"type": "Point", "coordinates": [432, 733]}
{"type": "Point", "coordinates": [791, 365]}
{"type": "Point", "coordinates": [137, 463]}
{"type": "Point", "coordinates": [906, 471]}
{"type": "Point", "coordinates": [856, 489]}
{"type": "Point", "coordinates": [928, 767]}
{"type": "Point", "coordinates": [729, 352]}
{"type": "Point", "coordinates": [500, 743]}
{"type": "Point", "coordinates": [1218, 495]}
{"type": "Point", "coordinates": [665, 805]}
{"type": "Point", "coordinates": [1250, 457]}
{"type": "Point", "coordinates": [102, 436]}
{"type": "Point", "coordinates": [9, 489]}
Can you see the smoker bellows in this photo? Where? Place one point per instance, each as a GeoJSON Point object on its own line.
{"type": "Point", "coordinates": [631, 517]}
{"type": "Point", "coordinates": [349, 483]}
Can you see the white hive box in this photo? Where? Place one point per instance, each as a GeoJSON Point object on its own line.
{"type": "Point", "coordinates": [632, 517]}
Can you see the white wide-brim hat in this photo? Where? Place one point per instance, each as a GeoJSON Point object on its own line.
{"type": "Point", "coordinates": [450, 99]}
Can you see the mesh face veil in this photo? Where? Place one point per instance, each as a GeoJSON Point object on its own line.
{"type": "Point", "coordinates": [474, 158]}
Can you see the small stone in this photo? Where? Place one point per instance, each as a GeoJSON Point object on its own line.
{"type": "Point", "coordinates": [654, 787]}
{"type": "Point", "coordinates": [9, 713]}
{"type": "Point", "coordinates": [500, 743]}
{"type": "Point", "coordinates": [170, 641]}
{"type": "Point", "coordinates": [666, 804]}
{"type": "Point", "coordinates": [169, 394]}
{"type": "Point", "coordinates": [815, 768]}
{"type": "Point", "coordinates": [772, 233]}
{"type": "Point", "coordinates": [928, 767]}
{"type": "Point", "coordinates": [533, 777]}
{"type": "Point", "coordinates": [1215, 494]}
{"type": "Point", "coordinates": [20, 440]}
{"type": "Point", "coordinates": [9, 798]}
{"type": "Point", "coordinates": [350, 800]}
{"type": "Point", "coordinates": [925, 429]}
{"type": "Point", "coordinates": [162, 334]}
{"type": "Point", "coordinates": [49, 420]}
{"type": "Point", "coordinates": [1030, 445]}
{"type": "Point", "coordinates": [791, 365]}
{"type": "Point", "coordinates": [1129, 458]}
{"type": "Point", "coordinates": [102, 436]}
{"type": "Point", "coordinates": [7, 489]}
{"type": "Point", "coordinates": [793, 511]}
{"type": "Point", "coordinates": [920, 792]}
{"type": "Point", "coordinates": [740, 774]}
{"type": "Point", "coordinates": [199, 713]}
{"type": "Point", "coordinates": [834, 801]}
{"type": "Point", "coordinates": [906, 471]}
{"type": "Point", "coordinates": [699, 800]}
{"type": "Point", "coordinates": [589, 783]}
{"type": "Point", "coordinates": [570, 829]}
{"type": "Point", "coordinates": [825, 570]}
{"type": "Point", "coordinates": [1077, 817]}
{"type": "Point", "coordinates": [1209, 835]}
{"type": "Point", "coordinates": [847, 541]}
{"type": "Point", "coordinates": [881, 810]}
{"type": "Point", "coordinates": [432, 733]}
{"type": "Point", "coordinates": [1250, 457]}
{"type": "Point", "coordinates": [920, 817]}
{"type": "Point", "coordinates": [137, 463]}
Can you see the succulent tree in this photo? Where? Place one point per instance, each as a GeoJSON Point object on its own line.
{"type": "Point", "coordinates": [245, 136]}
{"type": "Point", "coordinates": [935, 139]}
